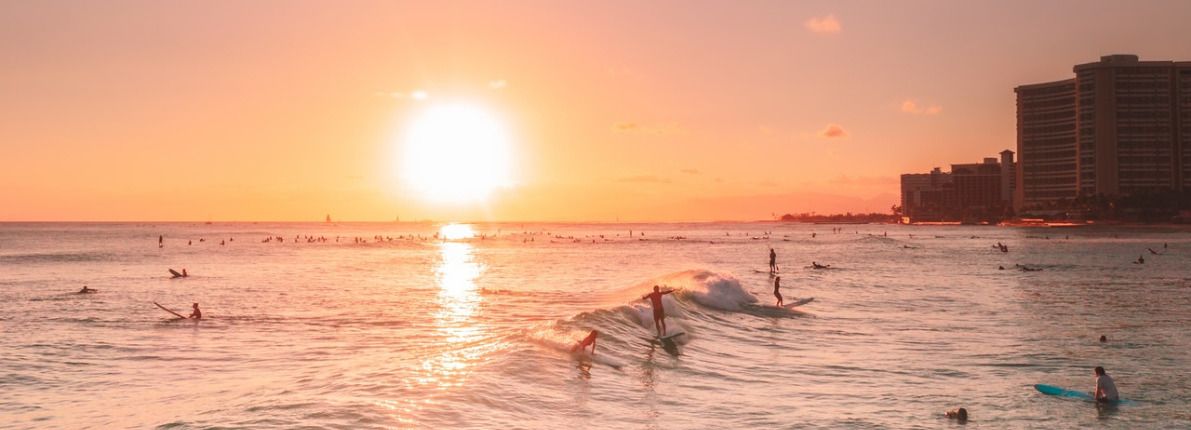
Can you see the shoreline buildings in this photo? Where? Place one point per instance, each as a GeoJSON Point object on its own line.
{"type": "Point", "coordinates": [969, 192]}
{"type": "Point", "coordinates": [1121, 127]}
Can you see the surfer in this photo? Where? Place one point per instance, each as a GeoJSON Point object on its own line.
{"type": "Point", "coordinates": [819, 266]}
{"type": "Point", "coordinates": [1140, 260]}
{"type": "Point", "coordinates": [772, 261]}
{"type": "Point", "coordinates": [589, 340]}
{"type": "Point", "coordinates": [1106, 389]}
{"type": "Point", "coordinates": [659, 311]}
{"type": "Point", "coordinates": [1103, 338]}
{"type": "Point", "coordinates": [197, 314]}
{"type": "Point", "coordinates": [777, 285]}
{"type": "Point", "coordinates": [959, 414]}
{"type": "Point", "coordinates": [87, 290]}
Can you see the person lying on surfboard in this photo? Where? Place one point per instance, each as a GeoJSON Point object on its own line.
{"type": "Point", "coordinates": [1106, 389]}
{"type": "Point", "coordinates": [959, 414]}
{"type": "Point", "coordinates": [819, 266]}
{"type": "Point", "coordinates": [197, 314]}
{"type": "Point", "coordinates": [659, 311]}
{"type": "Point", "coordinates": [777, 285]}
{"type": "Point", "coordinates": [589, 340]}
{"type": "Point", "coordinates": [87, 290]}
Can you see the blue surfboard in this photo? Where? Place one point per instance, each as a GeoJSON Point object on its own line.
{"type": "Point", "coordinates": [1052, 390]}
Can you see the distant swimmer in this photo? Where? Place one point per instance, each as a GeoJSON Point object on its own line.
{"type": "Point", "coordinates": [820, 266]}
{"type": "Point", "coordinates": [959, 414]}
{"type": "Point", "coordinates": [1152, 251]}
{"type": "Point", "coordinates": [659, 311]}
{"type": "Point", "coordinates": [777, 286]}
{"type": "Point", "coordinates": [196, 314]}
{"type": "Point", "coordinates": [1103, 338]}
{"type": "Point", "coordinates": [1140, 260]}
{"type": "Point", "coordinates": [589, 340]}
{"type": "Point", "coordinates": [1106, 389]}
{"type": "Point", "coordinates": [772, 261]}
{"type": "Point", "coordinates": [87, 290]}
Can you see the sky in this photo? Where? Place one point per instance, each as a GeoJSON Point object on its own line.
{"type": "Point", "coordinates": [613, 110]}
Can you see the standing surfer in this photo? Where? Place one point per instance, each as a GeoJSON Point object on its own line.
{"type": "Point", "coordinates": [772, 261]}
{"type": "Point", "coordinates": [659, 311]}
{"type": "Point", "coordinates": [777, 285]}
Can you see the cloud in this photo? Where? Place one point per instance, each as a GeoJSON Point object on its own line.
{"type": "Point", "coordinates": [911, 106]}
{"type": "Point", "coordinates": [865, 180]}
{"type": "Point", "coordinates": [823, 25]}
{"type": "Point", "coordinates": [643, 179]}
{"type": "Point", "coordinates": [416, 95]}
{"type": "Point", "coordinates": [690, 171]}
{"type": "Point", "coordinates": [657, 129]}
{"type": "Point", "coordinates": [498, 84]}
{"type": "Point", "coordinates": [833, 131]}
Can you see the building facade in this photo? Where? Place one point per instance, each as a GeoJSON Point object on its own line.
{"type": "Point", "coordinates": [1119, 128]}
{"type": "Point", "coordinates": [975, 191]}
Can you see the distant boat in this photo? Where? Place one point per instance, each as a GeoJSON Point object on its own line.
{"type": "Point", "coordinates": [328, 218]}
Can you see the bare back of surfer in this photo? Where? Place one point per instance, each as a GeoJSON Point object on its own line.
{"type": "Point", "coordinates": [196, 314]}
{"type": "Point", "coordinates": [777, 286]}
{"type": "Point", "coordinates": [659, 311]}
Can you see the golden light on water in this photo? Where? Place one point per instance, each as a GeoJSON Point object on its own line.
{"type": "Point", "coordinates": [455, 232]}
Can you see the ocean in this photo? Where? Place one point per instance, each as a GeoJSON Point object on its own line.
{"type": "Point", "coordinates": [386, 325]}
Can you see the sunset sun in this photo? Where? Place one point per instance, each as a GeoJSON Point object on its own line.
{"type": "Point", "coordinates": [455, 153]}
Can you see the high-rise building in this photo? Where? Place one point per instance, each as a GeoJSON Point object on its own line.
{"type": "Point", "coordinates": [1120, 127]}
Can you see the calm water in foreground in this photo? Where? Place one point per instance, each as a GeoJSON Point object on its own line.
{"type": "Point", "coordinates": [473, 333]}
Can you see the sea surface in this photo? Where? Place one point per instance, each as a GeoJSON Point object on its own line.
{"type": "Point", "coordinates": [419, 325]}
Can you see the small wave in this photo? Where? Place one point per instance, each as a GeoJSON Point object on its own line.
{"type": "Point", "coordinates": [55, 257]}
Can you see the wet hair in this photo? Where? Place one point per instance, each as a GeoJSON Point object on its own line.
{"type": "Point", "coordinates": [1099, 370]}
{"type": "Point", "coordinates": [961, 414]}
{"type": "Point", "coordinates": [1103, 338]}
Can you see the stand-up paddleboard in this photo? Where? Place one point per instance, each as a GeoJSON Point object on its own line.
{"type": "Point", "coordinates": [167, 310]}
{"type": "Point", "coordinates": [175, 273]}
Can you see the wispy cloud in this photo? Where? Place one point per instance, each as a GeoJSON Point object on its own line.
{"type": "Point", "coordinates": [833, 131]}
{"type": "Point", "coordinates": [498, 84]}
{"type": "Point", "coordinates": [911, 106]}
{"type": "Point", "coordinates": [659, 129]}
{"type": "Point", "coordinates": [823, 25]}
{"type": "Point", "coordinates": [643, 179]}
{"type": "Point", "coordinates": [416, 95]}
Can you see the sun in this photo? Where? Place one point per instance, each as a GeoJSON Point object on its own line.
{"type": "Point", "coordinates": [456, 153]}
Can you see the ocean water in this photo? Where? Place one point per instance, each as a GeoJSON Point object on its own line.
{"type": "Point", "coordinates": [419, 332]}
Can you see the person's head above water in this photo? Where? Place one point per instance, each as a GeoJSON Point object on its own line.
{"type": "Point", "coordinates": [1099, 371]}
{"type": "Point", "coordinates": [1103, 338]}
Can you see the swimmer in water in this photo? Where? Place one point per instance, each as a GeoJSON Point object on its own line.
{"type": "Point", "coordinates": [959, 414]}
{"type": "Point", "coordinates": [196, 314]}
{"type": "Point", "coordinates": [87, 290]}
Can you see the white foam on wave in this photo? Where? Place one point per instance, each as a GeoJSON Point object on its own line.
{"type": "Point", "coordinates": [718, 291]}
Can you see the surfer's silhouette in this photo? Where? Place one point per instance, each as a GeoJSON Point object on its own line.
{"type": "Point", "coordinates": [659, 311]}
{"type": "Point", "coordinates": [589, 340]}
{"type": "Point", "coordinates": [772, 261]}
{"type": "Point", "coordinates": [777, 285]}
{"type": "Point", "coordinates": [196, 314]}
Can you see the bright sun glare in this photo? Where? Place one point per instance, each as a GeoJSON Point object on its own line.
{"type": "Point", "coordinates": [456, 153]}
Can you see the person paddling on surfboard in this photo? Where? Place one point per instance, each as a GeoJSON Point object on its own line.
{"type": "Point", "coordinates": [659, 311]}
{"type": "Point", "coordinates": [777, 285]}
{"type": "Point", "coordinates": [1106, 389]}
{"type": "Point", "coordinates": [197, 314]}
{"type": "Point", "coordinates": [589, 340]}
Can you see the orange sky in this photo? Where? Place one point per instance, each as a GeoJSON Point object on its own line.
{"type": "Point", "coordinates": [617, 110]}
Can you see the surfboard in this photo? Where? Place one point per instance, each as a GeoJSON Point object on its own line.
{"type": "Point", "coordinates": [798, 303]}
{"type": "Point", "coordinates": [167, 310]}
{"type": "Point", "coordinates": [670, 336]}
{"type": "Point", "coordinates": [1052, 390]}
{"type": "Point", "coordinates": [175, 273]}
